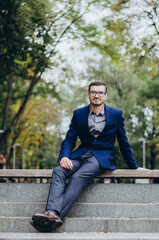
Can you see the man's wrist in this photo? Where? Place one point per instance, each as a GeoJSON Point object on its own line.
{"type": "Point", "coordinates": [59, 160]}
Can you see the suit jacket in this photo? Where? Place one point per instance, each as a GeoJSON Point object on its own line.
{"type": "Point", "coordinates": [102, 146]}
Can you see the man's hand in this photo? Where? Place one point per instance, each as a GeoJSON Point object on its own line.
{"type": "Point", "coordinates": [66, 163]}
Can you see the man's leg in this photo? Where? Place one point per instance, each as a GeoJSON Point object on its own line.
{"type": "Point", "coordinates": [57, 187]}
{"type": "Point", "coordinates": [55, 198]}
{"type": "Point", "coordinates": [89, 169]}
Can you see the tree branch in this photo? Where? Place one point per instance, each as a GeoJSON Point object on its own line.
{"type": "Point", "coordinates": [153, 22]}
{"type": "Point", "coordinates": [66, 29]}
{"type": "Point", "coordinates": [21, 109]}
{"type": "Point", "coordinates": [62, 34]}
{"type": "Point", "coordinates": [8, 100]}
{"type": "Point", "coordinates": [142, 58]}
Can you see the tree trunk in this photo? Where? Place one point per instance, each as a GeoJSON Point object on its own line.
{"type": "Point", "coordinates": [8, 100]}
{"type": "Point", "coordinates": [11, 153]}
{"type": "Point", "coordinates": [153, 156]}
{"type": "Point", "coordinates": [3, 139]}
{"type": "Point", "coordinates": [8, 131]}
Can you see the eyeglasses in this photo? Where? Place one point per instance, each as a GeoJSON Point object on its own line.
{"type": "Point", "coordinates": [94, 93]}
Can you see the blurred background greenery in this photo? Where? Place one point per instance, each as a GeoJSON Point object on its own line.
{"type": "Point", "coordinates": [50, 50]}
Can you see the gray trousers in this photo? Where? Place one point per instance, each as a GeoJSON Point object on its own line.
{"type": "Point", "coordinates": [84, 170]}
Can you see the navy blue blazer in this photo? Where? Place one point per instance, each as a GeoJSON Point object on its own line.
{"type": "Point", "coordinates": [102, 146]}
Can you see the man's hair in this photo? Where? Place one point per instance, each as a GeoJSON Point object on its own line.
{"type": "Point", "coordinates": [97, 83]}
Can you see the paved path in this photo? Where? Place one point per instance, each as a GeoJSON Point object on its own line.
{"type": "Point", "coordinates": [79, 236]}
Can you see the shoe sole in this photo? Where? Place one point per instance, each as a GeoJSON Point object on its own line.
{"type": "Point", "coordinates": [40, 229]}
{"type": "Point", "coordinates": [43, 221]}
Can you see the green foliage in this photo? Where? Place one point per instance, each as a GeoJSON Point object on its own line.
{"type": "Point", "coordinates": [30, 33]}
{"type": "Point", "coordinates": [123, 52]}
{"type": "Point", "coordinates": [127, 61]}
{"type": "Point", "coordinates": [35, 132]}
{"type": "Point", "coordinates": [23, 35]}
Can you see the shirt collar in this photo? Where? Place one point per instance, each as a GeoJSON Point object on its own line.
{"type": "Point", "coordinates": [101, 113]}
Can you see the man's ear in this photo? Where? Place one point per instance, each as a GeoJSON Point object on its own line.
{"type": "Point", "coordinates": [105, 96]}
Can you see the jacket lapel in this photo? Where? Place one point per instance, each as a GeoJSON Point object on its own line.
{"type": "Point", "coordinates": [108, 116]}
{"type": "Point", "coordinates": [85, 116]}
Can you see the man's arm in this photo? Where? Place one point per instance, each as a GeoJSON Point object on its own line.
{"type": "Point", "coordinates": [68, 144]}
{"type": "Point", "coordinates": [124, 144]}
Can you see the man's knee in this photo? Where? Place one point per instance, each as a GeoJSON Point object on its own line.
{"type": "Point", "coordinates": [78, 176]}
{"type": "Point", "coordinates": [59, 170]}
{"type": "Point", "coordinates": [80, 180]}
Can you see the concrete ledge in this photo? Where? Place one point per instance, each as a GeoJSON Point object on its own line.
{"type": "Point", "coordinates": [122, 173]}
{"type": "Point", "coordinates": [96, 224]}
{"type": "Point", "coordinates": [134, 210]}
{"type": "Point", "coordinates": [79, 236]}
{"type": "Point", "coordinates": [94, 193]}
{"type": "Point", "coordinates": [105, 224]}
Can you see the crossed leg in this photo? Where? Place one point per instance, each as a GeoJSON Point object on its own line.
{"type": "Point", "coordinates": [60, 200]}
{"type": "Point", "coordinates": [89, 169]}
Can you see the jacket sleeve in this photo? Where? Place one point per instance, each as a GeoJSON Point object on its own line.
{"type": "Point", "coordinates": [71, 137]}
{"type": "Point", "coordinates": [124, 144]}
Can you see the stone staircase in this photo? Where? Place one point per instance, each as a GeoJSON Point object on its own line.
{"type": "Point", "coordinates": [79, 236]}
{"type": "Point", "coordinates": [101, 208]}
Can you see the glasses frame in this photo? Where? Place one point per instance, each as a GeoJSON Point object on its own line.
{"type": "Point", "coordinates": [94, 94]}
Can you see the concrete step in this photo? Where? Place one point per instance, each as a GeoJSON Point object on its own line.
{"type": "Point", "coordinates": [110, 225]}
{"type": "Point", "coordinates": [24, 192]}
{"type": "Point", "coordinates": [151, 225]}
{"type": "Point", "coordinates": [135, 210]}
{"type": "Point", "coordinates": [117, 210]}
{"type": "Point", "coordinates": [120, 193]}
{"type": "Point", "coordinates": [79, 236]}
{"type": "Point", "coordinates": [20, 209]}
{"type": "Point", "coordinates": [100, 208]}
{"type": "Point", "coordinates": [102, 193]}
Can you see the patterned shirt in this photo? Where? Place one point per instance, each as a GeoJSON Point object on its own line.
{"type": "Point", "coordinates": [96, 122]}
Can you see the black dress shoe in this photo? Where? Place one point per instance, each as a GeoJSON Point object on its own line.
{"type": "Point", "coordinates": [47, 219]}
{"type": "Point", "coordinates": [40, 229]}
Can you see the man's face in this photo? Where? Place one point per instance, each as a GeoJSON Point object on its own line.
{"type": "Point", "coordinates": [97, 95]}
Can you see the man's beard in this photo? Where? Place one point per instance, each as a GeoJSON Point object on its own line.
{"type": "Point", "coordinates": [97, 104]}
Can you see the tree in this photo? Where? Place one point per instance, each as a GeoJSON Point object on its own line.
{"type": "Point", "coordinates": [30, 33]}
{"type": "Point", "coordinates": [129, 41]}
{"type": "Point", "coordinates": [35, 132]}
{"type": "Point", "coordinates": [24, 41]}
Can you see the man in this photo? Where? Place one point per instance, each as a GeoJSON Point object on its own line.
{"type": "Point", "coordinates": [97, 126]}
